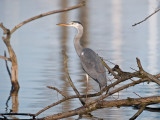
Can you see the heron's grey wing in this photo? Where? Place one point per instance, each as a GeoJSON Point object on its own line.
{"type": "Point", "coordinates": [92, 64]}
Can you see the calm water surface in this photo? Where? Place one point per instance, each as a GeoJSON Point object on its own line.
{"type": "Point", "coordinates": [108, 31]}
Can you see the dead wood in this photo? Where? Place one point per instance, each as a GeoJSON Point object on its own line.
{"type": "Point", "coordinates": [13, 58]}
{"type": "Point", "coordinates": [54, 88]}
{"type": "Point", "coordinates": [100, 101]}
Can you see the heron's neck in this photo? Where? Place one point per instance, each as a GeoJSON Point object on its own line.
{"type": "Point", "coordinates": [77, 39]}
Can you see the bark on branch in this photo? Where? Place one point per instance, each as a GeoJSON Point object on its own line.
{"type": "Point", "coordinates": [13, 58]}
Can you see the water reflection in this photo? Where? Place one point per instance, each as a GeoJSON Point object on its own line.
{"type": "Point", "coordinates": [64, 37]}
{"type": "Point", "coordinates": [117, 31]}
{"type": "Point", "coordinates": [153, 38]}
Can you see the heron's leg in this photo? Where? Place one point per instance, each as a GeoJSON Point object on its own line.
{"type": "Point", "coordinates": [87, 86]}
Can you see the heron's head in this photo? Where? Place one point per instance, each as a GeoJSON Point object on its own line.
{"type": "Point", "coordinates": [75, 24]}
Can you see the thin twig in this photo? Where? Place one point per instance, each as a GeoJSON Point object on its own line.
{"type": "Point", "coordinates": [137, 94]}
{"type": "Point", "coordinates": [54, 88]}
{"type": "Point", "coordinates": [46, 14]}
{"type": "Point", "coordinates": [5, 58]}
{"type": "Point", "coordinates": [146, 18]}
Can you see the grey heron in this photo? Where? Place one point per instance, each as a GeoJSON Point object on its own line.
{"type": "Point", "coordinates": [90, 61]}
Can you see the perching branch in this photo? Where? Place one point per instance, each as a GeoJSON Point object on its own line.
{"type": "Point", "coordinates": [98, 99]}
{"type": "Point", "coordinates": [109, 69]}
{"type": "Point", "coordinates": [99, 102]}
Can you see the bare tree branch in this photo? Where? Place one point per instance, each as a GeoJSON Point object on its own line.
{"type": "Point", "coordinates": [94, 95]}
{"type": "Point", "coordinates": [102, 104]}
{"type": "Point", "coordinates": [13, 58]}
{"type": "Point", "coordinates": [97, 102]}
{"type": "Point", "coordinates": [151, 77]}
{"type": "Point", "coordinates": [46, 14]}
{"type": "Point", "coordinates": [54, 88]}
{"type": "Point", "coordinates": [146, 18]}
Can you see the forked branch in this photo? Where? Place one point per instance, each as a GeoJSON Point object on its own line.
{"type": "Point", "coordinates": [99, 102]}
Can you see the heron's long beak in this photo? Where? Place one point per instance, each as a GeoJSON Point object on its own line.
{"type": "Point", "coordinates": [63, 24]}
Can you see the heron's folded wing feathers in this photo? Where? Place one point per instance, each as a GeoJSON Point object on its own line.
{"type": "Point", "coordinates": [91, 63]}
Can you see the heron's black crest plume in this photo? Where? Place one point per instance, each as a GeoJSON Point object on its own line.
{"type": "Point", "coordinates": [77, 22]}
